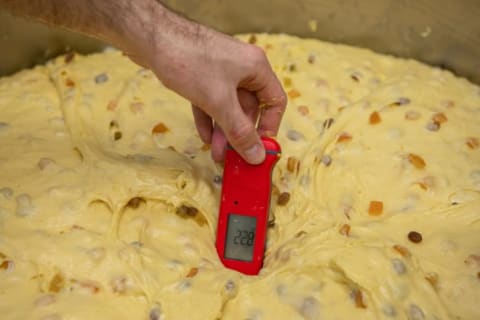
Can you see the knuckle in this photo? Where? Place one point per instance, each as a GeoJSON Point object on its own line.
{"type": "Point", "coordinates": [240, 134]}
{"type": "Point", "coordinates": [257, 56]}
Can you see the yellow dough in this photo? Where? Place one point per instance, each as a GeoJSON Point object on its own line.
{"type": "Point", "coordinates": [109, 200]}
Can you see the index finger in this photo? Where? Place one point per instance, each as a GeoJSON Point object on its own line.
{"type": "Point", "coordinates": [270, 94]}
{"type": "Point", "coordinates": [273, 102]}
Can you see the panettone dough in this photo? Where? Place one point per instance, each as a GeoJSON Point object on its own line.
{"type": "Point", "coordinates": [109, 200]}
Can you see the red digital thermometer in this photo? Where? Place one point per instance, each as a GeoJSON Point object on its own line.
{"type": "Point", "coordinates": [244, 208]}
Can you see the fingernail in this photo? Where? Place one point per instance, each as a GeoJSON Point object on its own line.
{"type": "Point", "coordinates": [255, 154]}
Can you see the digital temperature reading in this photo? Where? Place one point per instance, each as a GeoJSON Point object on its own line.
{"type": "Point", "coordinates": [240, 237]}
{"type": "Point", "coordinates": [244, 208]}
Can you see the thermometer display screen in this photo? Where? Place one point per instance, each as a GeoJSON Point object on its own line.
{"type": "Point", "coordinates": [240, 238]}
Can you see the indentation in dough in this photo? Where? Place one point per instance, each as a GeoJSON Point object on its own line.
{"type": "Point", "coordinates": [46, 163]}
{"type": "Point", "coordinates": [79, 154]}
{"type": "Point", "coordinates": [6, 192]}
{"type": "Point", "coordinates": [4, 126]}
{"type": "Point", "coordinates": [97, 254]}
{"type": "Point", "coordinates": [44, 300]}
{"type": "Point", "coordinates": [415, 313]}
{"type": "Point", "coordinates": [464, 196]}
{"type": "Point", "coordinates": [25, 205]}
{"type": "Point", "coordinates": [53, 316]}
{"type": "Point", "coordinates": [309, 308]}
{"type": "Point", "coordinates": [99, 205]}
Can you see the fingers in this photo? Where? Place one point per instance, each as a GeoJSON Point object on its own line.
{"type": "Point", "coordinates": [269, 92]}
{"type": "Point", "coordinates": [249, 105]}
{"type": "Point", "coordinates": [219, 142]}
{"type": "Point", "coordinates": [239, 129]}
{"type": "Point", "coordinates": [273, 101]}
{"type": "Point", "coordinates": [204, 124]}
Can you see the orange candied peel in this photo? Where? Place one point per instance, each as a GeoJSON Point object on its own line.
{"type": "Point", "coordinates": [404, 252]}
{"type": "Point", "coordinates": [345, 230]}
{"type": "Point", "coordinates": [358, 297]}
{"type": "Point", "coordinates": [375, 208]}
{"type": "Point", "coordinates": [303, 110]}
{"type": "Point", "coordinates": [416, 161]}
{"type": "Point", "coordinates": [57, 283]}
{"type": "Point", "coordinates": [374, 118]}
{"type": "Point", "coordinates": [439, 118]}
{"type": "Point", "coordinates": [293, 164]}
{"type": "Point", "coordinates": [432, 278]}
{"type": "Point", "coordinates": [292, 94]}
{"type": "Point", "coordinates": [473, 143]}
{"type": "Point", "coordinates": [344, 137]}
{"type": "Point", "coordinates": [5, 264]}
{"type": "Point", "coordinates": [69, 83]}
{"type": "Point", "coordinates": [160, 128]}
{"type": "Point", "coordinates": [112, 105]}
{"type": "Point", "coordinates": [192, 273]}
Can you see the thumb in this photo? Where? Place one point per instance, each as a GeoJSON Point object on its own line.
{"type": "Point", "coordinates": [242, 135]}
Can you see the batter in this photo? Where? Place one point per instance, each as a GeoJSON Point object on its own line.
{"type": "Point", "coordinates": [109, 199]}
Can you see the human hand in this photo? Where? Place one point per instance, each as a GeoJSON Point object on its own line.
{"type": "Point", "coordinates": [230, 84]}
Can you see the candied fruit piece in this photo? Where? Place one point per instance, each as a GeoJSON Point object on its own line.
{"type": "Point", "coordinates": [358, 298]}
{"type": "Point", "coordinates": [135, 202]}
{"type": "Point", "coordinates": [412, 115]}
{"type": "Point", "coordinates": [112, 105]}
{"type": "Point", "coordinates": [439, 118]}
{"type": "Point", "coordinates": [283, 198]}
{"type": "Point", "coordinates": [345, 230]}
{"type": "Point", "coordinates": [6, 264]}
{"type": "Point", "coordinates": [344, 137]}
{"type": "Point", "coordinates": [416, 161]}
{"type": "Point", "coordinates": [160, 128]}
{"type": "Point", "coordinates": [186, 212]}
{"type": "Point", "coordinates": [375, 208]}
{"type": "Point", "coordinates": [292, 94]}
{"type": "Point", "coordinates": [57, 283]}
{"type": "Point", "coordinates": [303, 110]}
{"type": "Point", "coordinates": [404, 252]}
{"type": "Point", "coordinates": [192, 273]}
{"type": "Point", "coordinates": [69, 83]}
{"type": "Point", "coordinates": [432, 278]}
{"type": "Point", "coordinates": [473, 143]}
{"type": "Point", "coordinates": [415, 237]}
{"type": "Point", "coordinates": [293, 164]}
{"type": "Point", "coordinates": [374, 118]}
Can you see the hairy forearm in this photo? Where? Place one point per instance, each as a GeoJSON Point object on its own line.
{"type": "Point", "coordinates": [119, 22]}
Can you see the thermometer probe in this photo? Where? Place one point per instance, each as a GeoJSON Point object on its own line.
{"type": "Point", "coordinates": [244, 208]}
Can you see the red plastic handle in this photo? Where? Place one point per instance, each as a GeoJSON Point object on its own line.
{"type": "Point", "coordinates": [244, 208]}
